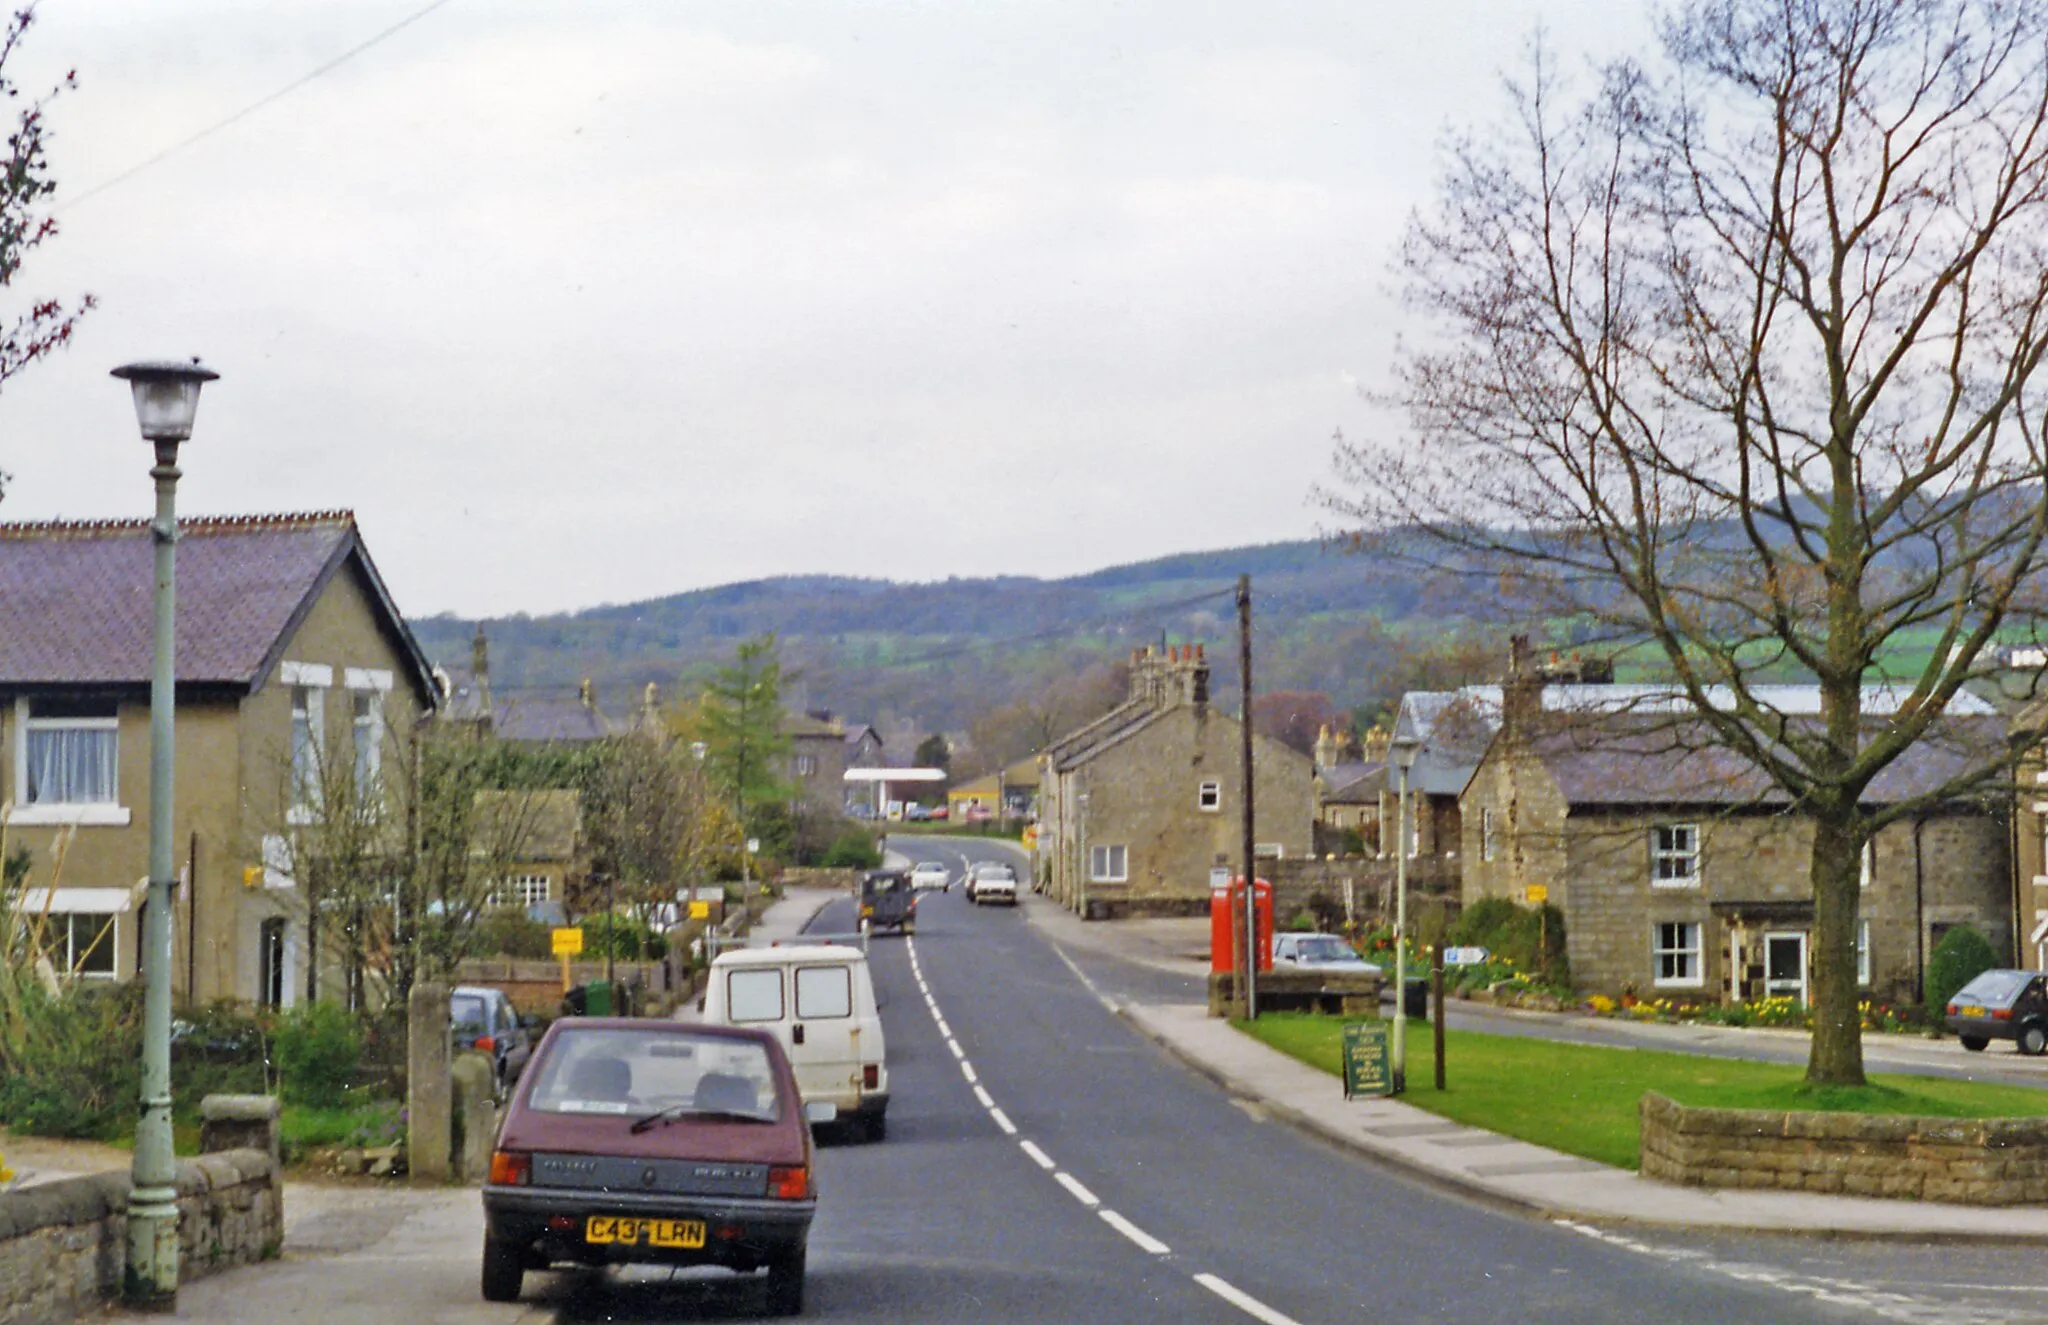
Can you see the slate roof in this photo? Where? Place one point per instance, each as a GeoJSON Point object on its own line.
{"type": "Point", "coordinates": [1354, 784]}
{"type": "Point", "coordinates": [561, 719]}
{"type": "Point", "coordinates": [1638, 760]}
{"type": "Point", "coordinates": [76, 598]}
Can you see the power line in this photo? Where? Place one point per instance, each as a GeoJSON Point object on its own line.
{"type": "Point", "coordinates": [252, 107]}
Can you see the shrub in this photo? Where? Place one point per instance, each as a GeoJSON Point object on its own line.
{"type": "Point", "coordinates": [222, 1049]}
{"type": "Point", "coordinates": [1530, 939]}
{"type": "Point", "coordinates": [852, 850]}
{"type": "Point", "coordinates": [509, 932]}
{"type": "Point", "coordinates": [319, 1047]}
{"type": "Point", "coordinates": [73, 1062]}
{"type": "Point", "coordinates": [625, 938]}
{"type": "Point", "coordinates": [1960, 957]}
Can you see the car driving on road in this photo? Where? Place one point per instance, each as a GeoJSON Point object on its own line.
{"type": "Point", "coordinates": [2002, 1005]}
{"type": "Point", "coordinates": [653, 1142]}
{"type": "Point", "coordinates": [994, 884]}
{"type": "Point", "coordinates": [931, 874]}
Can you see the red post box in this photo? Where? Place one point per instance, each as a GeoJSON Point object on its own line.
{"type": "Point", "coordinates": [1226, 907]}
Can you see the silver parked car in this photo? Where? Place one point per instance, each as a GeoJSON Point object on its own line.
{"type": "Point", "coordinates": [1319, 952]}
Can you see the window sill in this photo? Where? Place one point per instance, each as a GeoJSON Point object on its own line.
{"type": "Point", "coordinates": [1676, 885]}
{"type": "Point", "coordinates": [90, 816]}
{"type": "Point", "coordinates": [1695, 983]}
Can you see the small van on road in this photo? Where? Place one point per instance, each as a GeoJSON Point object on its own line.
{"type": "Point", "coordinates": [819, 1000]}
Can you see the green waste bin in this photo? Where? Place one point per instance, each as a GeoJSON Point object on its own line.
{"type": "Point", "coordinates": [597, 999]}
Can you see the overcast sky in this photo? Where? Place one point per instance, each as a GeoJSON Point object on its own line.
{"type": "Point", "coordinates": [584, 302]}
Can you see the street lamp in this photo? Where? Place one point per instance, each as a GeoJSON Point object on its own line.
{"type": "Point", "coordinates": [1404, 749]}
{"type": "Point", "coordinates": [166, 400]}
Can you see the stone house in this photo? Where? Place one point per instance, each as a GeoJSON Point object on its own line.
{"type": "Point", "coordinates": [290, 653]}
{"type": "Point", "coordinates": [818, 759]}
{"type": "Point", "coordinates": [549, 858]}
{"type": "Point", "coordinates": [1681, 873]}
{"type": "Point", "coordinates": [1140, 809]}
{"type": "Point", "coordinates": [1007, 793]}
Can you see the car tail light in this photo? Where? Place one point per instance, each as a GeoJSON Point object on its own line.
{"type": "Point", "coordinates": [792, 1183]}
{"type": "Point", "coordinates": [870, 1076]}
{"type": "Point", "coordinates": [2001, 1014]}
{"type": "Point", "coordinates": [511, 1168]}
{"type": "Point", "coordinates": [1952, 1010]}
{"type": "Point", "coordinates": [486, 1044]}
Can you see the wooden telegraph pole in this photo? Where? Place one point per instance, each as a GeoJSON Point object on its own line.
{"type": "Point", "coordinates": [1248, 920]}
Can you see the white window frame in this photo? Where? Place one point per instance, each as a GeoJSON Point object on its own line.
{"type": "Point", "coordinates": [67, 923]}
{"type": "Point", "coordinates": [305, 782]}
{"type": "Point", "coordinates": [1866, 863]}
{"type": "Point", "coordinates": [85, 813]}
{"type": "Point", "coordinates": [1109, 863]}
{"type": "Point", "coordinates": [1488, 833]}
{"type": "Point", "coordinates": [1659, 854]}
{"type": "Point", "coordinates": [1862, 953]}
{"type": "Point", "coordinates": [1209, 796]}
{"type": "Point", "coordinates": [366, 715]}
{"type": "Point", "coordinates": [523, 890]}
{"type": "Point", "coordinates": [806, 766]}
{"type": "Point", "coordinates": [1686, 954]}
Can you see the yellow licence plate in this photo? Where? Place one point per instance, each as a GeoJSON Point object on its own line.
{"type": "Point", "coordinates": [626, 1232]}
{"type": "Point", "coordinates": [1969, 1011]}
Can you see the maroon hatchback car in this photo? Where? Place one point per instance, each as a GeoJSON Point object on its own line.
{"type": "Point", "coordinates": [653, 1142]}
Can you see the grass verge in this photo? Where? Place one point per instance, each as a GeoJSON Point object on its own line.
{"type": "Point", "coordinates": [1582, 1099]}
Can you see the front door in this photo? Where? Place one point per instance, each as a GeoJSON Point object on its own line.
{"type": "Point", "coordinates": [1785, 966]}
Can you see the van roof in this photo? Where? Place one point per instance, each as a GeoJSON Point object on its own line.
{"type": "Point", "coordinates": [808, 952]}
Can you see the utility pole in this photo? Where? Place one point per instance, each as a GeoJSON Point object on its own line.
{"type": "Point", "coordinates": [1249, 922]}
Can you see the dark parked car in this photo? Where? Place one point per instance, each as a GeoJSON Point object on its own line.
{"type": "Point", "coordinates": [887, 901]}
{"type": "Point", "coordinates": [653, 1142]}
{"type": "Point", "coordinates": [2002, 1005]}
{"type": "Point", "coordinates": [483, 1019]}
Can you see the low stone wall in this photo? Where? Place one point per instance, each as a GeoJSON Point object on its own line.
{"type": "Point", "coordinates": [64, 1244]}
{"type": "Point", "coordinates": [535, 984]}
{"type": "Point", "coordinates": [1986, 1161]}
{"type": "Point", "coordinates": [1292, 989]}
{"type": "Point", "coordinates": [815, 876]}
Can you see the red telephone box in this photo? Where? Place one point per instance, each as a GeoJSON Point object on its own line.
{"type": "Point", "coordinates": [1226, 906]}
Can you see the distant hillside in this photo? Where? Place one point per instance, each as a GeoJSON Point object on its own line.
{"type": "Point", "coordinates": [936, 655]}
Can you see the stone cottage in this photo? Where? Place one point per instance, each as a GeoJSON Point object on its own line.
{"type": "Point", "coordinates": [1681, 872]}
{"type": "Point", "coordinates": [1139, 809]}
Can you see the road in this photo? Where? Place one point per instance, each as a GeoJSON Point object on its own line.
{"type": "Point", "coordinates": [1045, 1163]}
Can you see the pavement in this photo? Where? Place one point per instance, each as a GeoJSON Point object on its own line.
{"type": "Point", "coordinates": [1498, 1169]}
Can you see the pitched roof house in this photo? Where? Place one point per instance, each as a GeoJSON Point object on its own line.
{"type": "Point", "coordinates": [288, 645]}
{"type": "Point", "coordinates": [1681, 871]}
{"type": "Point", "coordinates": [1138, 808]}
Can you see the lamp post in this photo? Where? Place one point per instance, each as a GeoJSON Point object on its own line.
{"type": "Point", "coordinates": [1404, 749]}
{"type": "Point", "coordinates": [166, 401]}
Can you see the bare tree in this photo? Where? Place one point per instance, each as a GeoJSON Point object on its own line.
{"type": "Point", "coordinates": [1736, 357]}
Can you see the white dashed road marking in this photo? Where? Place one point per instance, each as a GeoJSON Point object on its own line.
{"type": "Point", "coordinates": [1003, 1121]}
{"type": "Point", "coordinates": [1038, 1157]}
{"type": "Point", "coordinates": [1146, 1242]}
{"type": "Point", "coordinates": [1080, 1193]}
{"type": "Point", "coordinates": [1244, 1301]}
{"type": "Point", "coordinates": [967, 1070]}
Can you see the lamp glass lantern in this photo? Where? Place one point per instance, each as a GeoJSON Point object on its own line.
{"type": "Point", "coordinates": [166, 395]}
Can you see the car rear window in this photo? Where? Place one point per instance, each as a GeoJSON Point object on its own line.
{"type": "Point", "coordinates": [466, 1010]}
{"type": "Point", "coordinates": [1995, 988]}
{"type": "Point", "coordinates": [753, 995]}
{"type": "Point", "coordinates": [823, 992]}
{"type": "Point", "coordinates": [636, 1072]}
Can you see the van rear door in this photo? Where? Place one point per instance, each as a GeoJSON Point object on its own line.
{"type": "Point", "coordinates": [825, 1032]}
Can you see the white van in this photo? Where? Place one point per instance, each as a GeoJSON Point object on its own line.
{"type": "Point", "coordinates": [820, 1002]}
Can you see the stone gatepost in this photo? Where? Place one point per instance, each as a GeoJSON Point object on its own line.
{"type": "Point", "coordinates": [429, 1133]}
{"type": "Point", "coordinates": [240, 1122]}
{"type": "Point", "coordinates": [476, 1115]}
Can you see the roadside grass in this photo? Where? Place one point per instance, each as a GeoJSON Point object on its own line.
{"type": "Point", "coordinates": [1582, 1099]}
{"type": "Point", "coordinates": [377, 1122]}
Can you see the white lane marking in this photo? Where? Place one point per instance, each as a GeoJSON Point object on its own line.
{"type": "Point", "coordinates": [1082, 976]}
{"type": "Point", "coordinates": [1073, 1185]}
{"type": "Point", "coordinates": [944, 1029]}
{"type": "Point", "coordinates": [1244, 1301]}
{"type": "Point", "coordinates": [954, 1045]}
{"type": "Point", "coordinates": [1145, 1241]}
{"type": "Point", "coordinates": [981, 1093]}
{"type": "Point", "coordinates": [1003, 1121]}
{"type": "Point", "coordinates": [967, 1070]}
{"type": "Point", "coordinates": [1038, 1157]}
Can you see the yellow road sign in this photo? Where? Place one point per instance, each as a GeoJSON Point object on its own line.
{"type": "Point", "coordinates": [568, 942]}
{"type": "Point", "coordinates": [700, 910]}
{"type": "Point", "coordinates": [1538, 894]}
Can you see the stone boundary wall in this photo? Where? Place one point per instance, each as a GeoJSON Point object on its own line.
{"type": "Point", "coordinates": [1368, 879]}
{"type": "Point", "coordinates": [534, 984]}
{"type": "Point", "coordinates": [64, 1244]}
{"type": "Point", "coordinates": [1963, 1161]}
{"type": "Point", "coordinates": [817, 876]}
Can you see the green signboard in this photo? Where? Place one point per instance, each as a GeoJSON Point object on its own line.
{"type": "Point", "coordinates": [1368, 1060]}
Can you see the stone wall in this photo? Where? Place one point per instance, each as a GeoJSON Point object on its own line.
{"type": "Point", "coordinates": [63, 1244]}
{"type": "Point", "coordinates": [535, 984]}
{"type": "Point", "coordinates": [1362, 886]}
{"type": "Point", "coordinates": [1988, 1161]}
